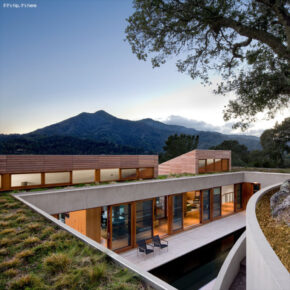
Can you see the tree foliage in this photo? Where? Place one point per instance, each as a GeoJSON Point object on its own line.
{"type": "Point", "coordinates": [247, 42]}
{"type": "Point", "coordinates": [240, 153]}
{"type": "Point", "coordinates": [177, 145]}
{"type": "Point", "coordinates": [276, 142]}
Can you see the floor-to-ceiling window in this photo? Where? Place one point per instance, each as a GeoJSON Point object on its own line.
{"type": "Point", "coordinates": [191, 215]}
{"type": "Point", "coordinates": [239, 196]}
{"type": "Point", "coordinates": [177, 212]}
{"type": "Point", "coordinates": [227, 199]}
{"type": "Point", "coordinates": [216, 202]}
{"type": "Point", "coordinates": [121, 226]}
{"type": "Point", "coordinates": [206, 205]}
{"type": "Point", "coordinates": [144, 222]}
{"type": "Point", "coordinates": [160, 216]}
{"type": "Point", "coordinates": [104, 226]}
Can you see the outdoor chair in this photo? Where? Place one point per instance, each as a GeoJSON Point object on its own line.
{"type": "Point", "coordinates": [160, 243]}
{"type": "Point", "coordinates": [143, 248]}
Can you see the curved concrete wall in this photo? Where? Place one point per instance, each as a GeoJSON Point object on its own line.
{"type": "Point", "coordinates": [231, 265]}
{"type": "Point", "coordinates": [264, 269]}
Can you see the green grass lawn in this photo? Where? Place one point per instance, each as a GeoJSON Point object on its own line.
{"type": "Point", "coordinates": [36, 254]}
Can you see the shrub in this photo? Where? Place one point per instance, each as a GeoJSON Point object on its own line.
{"type": "Point", "coordinates": [30, 241]}
{"type": "Point", "coordinates": [10, 272]}
{"type": "Point", "coordinates": [26, 282]}
{"type": "Point", "coordinates": [9, 264]}
{"type": "Point", "coordinates": [97, 272]}
{"type": "Point", "coordinates": [8, 231]}
{"type": "Point", "coordinates": [56, 263]}
{"type": "Point", "coordinates": [24, 254]}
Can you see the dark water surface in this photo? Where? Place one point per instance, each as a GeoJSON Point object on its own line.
{"type": "Point", "coordinates": [197, 268]}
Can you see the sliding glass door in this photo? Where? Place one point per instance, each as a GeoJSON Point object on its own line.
{"type": "Point", "coordinates": [144, 220]}
{"type": "Point", "coordinates": [121, 226]}
{"type": "Point", "coordinates": [206, 205]}
{"type": "Point", "coordinates": [177, 212]}
{"type": "Point", "coordinates": [216, 202]}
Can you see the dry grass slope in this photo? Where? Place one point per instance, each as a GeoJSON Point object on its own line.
{"type": "Point", "coordinates": [36, 254]}
{"type": "Point", "coordinates": [277, 233]}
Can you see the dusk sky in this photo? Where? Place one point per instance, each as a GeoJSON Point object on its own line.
{"type": "Point", "coordinates": [69, 56]}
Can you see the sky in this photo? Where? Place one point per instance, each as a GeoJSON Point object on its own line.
{"type": "Point", "coordinates": [65, 57]}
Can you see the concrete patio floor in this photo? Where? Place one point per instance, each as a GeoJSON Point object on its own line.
{"type": "Point", "coordinates": [185, 242]}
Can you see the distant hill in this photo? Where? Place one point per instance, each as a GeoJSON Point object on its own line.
{"type": "Point", "coordinates": [99, 128]}
{"type": "Point", "coordinates": [18, 144]}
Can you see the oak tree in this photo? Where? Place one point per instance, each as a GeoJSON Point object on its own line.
{"type": "Point", "coordinates": [247, 42]}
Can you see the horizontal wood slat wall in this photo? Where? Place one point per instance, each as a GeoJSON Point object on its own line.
{"type": "Point", "coordinates": [57, 163]}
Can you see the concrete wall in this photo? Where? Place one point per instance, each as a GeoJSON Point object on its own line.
{"type": "Point", "coordinates": [66, 200]}
{"type": "Point", "coordinates": [264, 269]}
{"type": "Point", "coordinates": [231, 265]}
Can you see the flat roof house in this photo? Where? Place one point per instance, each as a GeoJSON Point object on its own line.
{"type": "Point", "coordinates": [197, 161]}
{"type": "Point", "coordinates": [36, 171]}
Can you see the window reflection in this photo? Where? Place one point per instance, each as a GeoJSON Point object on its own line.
{"type": "Point", "coordinates": [121, 226]}
{"type": "Point", "coordinates": [144, 227]}
{"type": "Point", "coordinates": [191, 208]}
{"type": "Point", "coordinates": [177, 212]}
{"type": "Point", "coordinates": [160, 222]}
{"type": "Point", "coordinates": [216, 202]}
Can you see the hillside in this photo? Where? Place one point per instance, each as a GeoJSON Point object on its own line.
{"type": "Point", "coordinates": [97, 129]}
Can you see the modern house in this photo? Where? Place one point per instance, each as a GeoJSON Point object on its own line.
{"type": "Point", "coordinates": [190, 211]}
{"type": "Point", "coordinates": [37, 171]}
{"type": "Point", "coordinates": [196, 162]}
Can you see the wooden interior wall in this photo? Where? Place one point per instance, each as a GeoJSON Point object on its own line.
{"type": "Point", "coordinates": [247, 192]}
{"type": "Point", "coordinates": [87, 222]}
{"type": "Point", "coordinates": [77, 220]}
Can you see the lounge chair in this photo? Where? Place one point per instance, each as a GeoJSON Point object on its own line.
{"type": "Point", "coordinates": [143, 248]}
{"type": "Point", "coordinates": [157, 242]}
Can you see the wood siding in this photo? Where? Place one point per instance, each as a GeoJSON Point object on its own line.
{"type": "Point", "coordinates": [58, 163]}
{"type": "Point", "coordinates": [188, 162]}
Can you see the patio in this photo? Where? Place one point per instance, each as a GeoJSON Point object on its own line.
{"type": "Point", "coordinates": [185, 242]}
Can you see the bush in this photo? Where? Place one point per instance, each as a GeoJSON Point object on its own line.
{"type": "Point", "coordinates": [56, 263]}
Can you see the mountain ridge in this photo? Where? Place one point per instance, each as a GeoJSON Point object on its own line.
{"type": "Point", "coordinates": [147, 134]}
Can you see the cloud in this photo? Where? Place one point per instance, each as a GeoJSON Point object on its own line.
{"type": "Point", "coordinates": [198, 125]}
{"type": "Point", "coordinates": [226, 128]}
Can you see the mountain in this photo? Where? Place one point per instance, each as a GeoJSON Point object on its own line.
{"type": "Point", "coordinates": [18, 144]}
{"type": "Point", "coordinates": [147, 134]}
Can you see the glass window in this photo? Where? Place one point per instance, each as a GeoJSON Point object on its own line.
{"type": "Point", "coordinates": [146, 172]}
{"type": "Point", "coordinates": [57, 178]}
{"type": "Point", "coordinates": [109, 174]}
{"type": "Point", "coordinates": [216, 202]}
{"type": "Point", "coordinates": [121, 226]}
{"type": "Point", "coordinates": [201, 165]}
{"type": "Point", "coordinates": [206, 205]}
{"type": "Point", "coordinates": [191, 214]}
{"type": "Point", "coordinates": [227, 199]}
{"type": "Point", "coordinates": [239, 196]}
{"type": "Point", "coordinates": [218, 165]}
{"type": "Point", "coordinates": [256, 187]}
{"type": "Point", "coordinates": [160, 213]}
{"type": "Point", "coordinates": [144, 225]}
{"type": "Point", "coordinates": [128, 173]}
{"type": "Point", "coordinates": [25, 179]}
{"type": "Point", "coordinates": [177, 212]}
{"type": "Point", "coordinates": [83, 176]}
{"type": "Point", "coordinates": [104, 226]}
{"type": "Point", "coordinates": [210, 165]}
